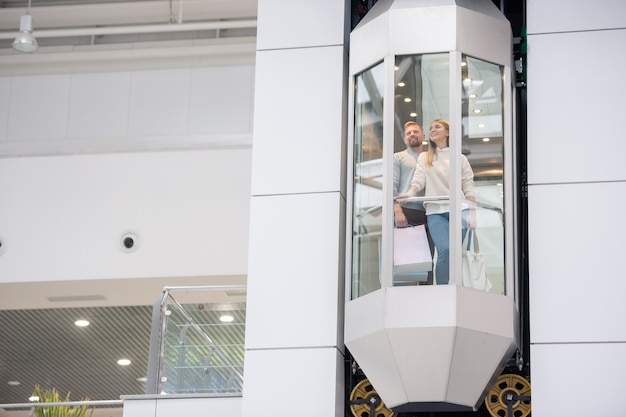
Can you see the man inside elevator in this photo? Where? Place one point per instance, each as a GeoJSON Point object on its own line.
{"type": "Point", "coordinates": [411, 213]}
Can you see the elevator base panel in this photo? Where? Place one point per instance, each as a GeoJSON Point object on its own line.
{"type": "Point", "coordinates": [431, 348]}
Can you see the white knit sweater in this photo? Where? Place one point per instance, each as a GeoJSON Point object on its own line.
{"type": "Point", "coordinates": [434, 179]}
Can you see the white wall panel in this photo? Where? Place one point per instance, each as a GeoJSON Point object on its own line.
{"type": "Point", "coordinates": [298, 121]}
{"type": "Point", "coordinates": [293, 265]}
{"type": "Point", "coordinates": [5, 91]}
{"type": "Point", "coordinates": [295, 301]}
{"type": "Point", "coordinates": [300, 23]}
{"type": "Point", "coordinates": [190, 210]}
{"type": "Point", "coordinates": [159, 102]}
{"type": "Point", "coordinates": [126, 111]}
{"type": "Point", "coordinates": [289, 382]}
{"type": "Point", "coordinates": [99, 105]}
{"type": "Point", "coordinates": [576, 253]}
{"type": "Point", "coordinates": [139, 407]}
{"type": "Point", "coordinates": [39, 107]}
{"type": "Point", "coordinates": [578, 380]}
{"type": "Point", "coordinates": [541, 15]}
{"type": "Point", "coordinates": [177, 406]}
{"type": "Point", "coordinates": [221, 100]}
{"type": "Point", "coordinates": [575, 97]}
{"type": "Point", "coordinates": [222, 407]}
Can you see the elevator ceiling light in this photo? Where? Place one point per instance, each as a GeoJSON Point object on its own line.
{"type": "Point", "coordinates": [25, 41]}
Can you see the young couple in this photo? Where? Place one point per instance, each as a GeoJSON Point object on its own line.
{"type": "Point", "coordinates": [430, 177]}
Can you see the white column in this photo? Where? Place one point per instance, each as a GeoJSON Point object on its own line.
{"type": "Point", "coordinates": [576, 222]}
{"type": "Point", "coordinates": [294, 326]}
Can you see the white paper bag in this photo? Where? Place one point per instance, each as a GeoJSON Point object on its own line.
{"type": "Point", "coordinates": [411, 252]}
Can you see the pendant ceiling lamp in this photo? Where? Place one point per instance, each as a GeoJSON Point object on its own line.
{"type": "Point", "coordinates": [25, 41]}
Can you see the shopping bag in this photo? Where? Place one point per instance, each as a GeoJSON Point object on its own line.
{"type": "Point", "coordinates": [474, 275]}
{"type": "Point", "coordinates": [411, 252]}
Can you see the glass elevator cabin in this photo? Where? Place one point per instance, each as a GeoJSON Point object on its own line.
{"type": "Point", "coordinates": [426, 344]}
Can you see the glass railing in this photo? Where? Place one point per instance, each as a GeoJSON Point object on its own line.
{"type": "Point", "coordinates": [366, 251]}
{"type": "Point", "coordinates": [197, 342]}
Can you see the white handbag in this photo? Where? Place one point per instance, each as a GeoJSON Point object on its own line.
{"type": "Point", "coordinates": [474, 275]}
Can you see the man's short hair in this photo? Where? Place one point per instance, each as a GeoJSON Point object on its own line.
{"type": "Point", "coordinates": [411, 123]}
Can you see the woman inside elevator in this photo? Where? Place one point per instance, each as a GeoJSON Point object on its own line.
{"type": "Point", "coordinates": [432, 173]}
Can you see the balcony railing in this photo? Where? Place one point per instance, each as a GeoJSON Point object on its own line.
{"type": "Point", "coordinates": [197, 343]}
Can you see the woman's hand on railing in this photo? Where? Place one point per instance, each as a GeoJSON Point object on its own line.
{"type": "Point", "coordinates": [401, 198]}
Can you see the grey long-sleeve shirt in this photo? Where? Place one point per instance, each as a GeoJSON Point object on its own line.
{"type": "Point", "coordinates": [404, 163]}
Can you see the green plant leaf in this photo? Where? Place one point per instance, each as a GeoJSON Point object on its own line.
{"type": "Point", "coordinates": [52, 396]}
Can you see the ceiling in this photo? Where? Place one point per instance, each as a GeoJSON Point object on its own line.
{"type": "Point", "coordinates": [41, 344]}
{"type": "Point", "coordinates": [44, 347]}
{"type": "Point", "coordinates": [84, 35]}
{"type": "Point", "coordinates": [59, 19]}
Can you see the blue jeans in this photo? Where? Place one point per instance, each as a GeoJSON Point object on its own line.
{"type": "Point", "coordinates": [439, 228]}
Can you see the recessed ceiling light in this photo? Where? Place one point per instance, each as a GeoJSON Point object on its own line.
{"type": "Point", "coordinates": [486, 139]}
{"type": "Point", "coordinates": [33, 398]}
{"type": "Point", "coordinates": [481, 125]}
{"type": "Point", "coordinates": [226, 318]}
{"type": "Point", "coordinates": [473, 95]}
{"type": "Point", "coordinates": [407, 100]}
{"type": "Point", "coordinates": [124, 362]}
{"type": "Point", "coordinates": [401, 84]}
{"type": "Point", "coordinates": [413, 114]}
{"type": "Point", "coordinates": [14, 383]}
{"type": "Point", "coordinates": [81, 323]}
{"type": "Point", "coordinates": [142, 379]}
{"type": "Point", "coordinates": [478, 111]}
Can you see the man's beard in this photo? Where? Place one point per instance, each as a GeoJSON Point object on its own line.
{"type": "Point", "coordinates": [414, 143]}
